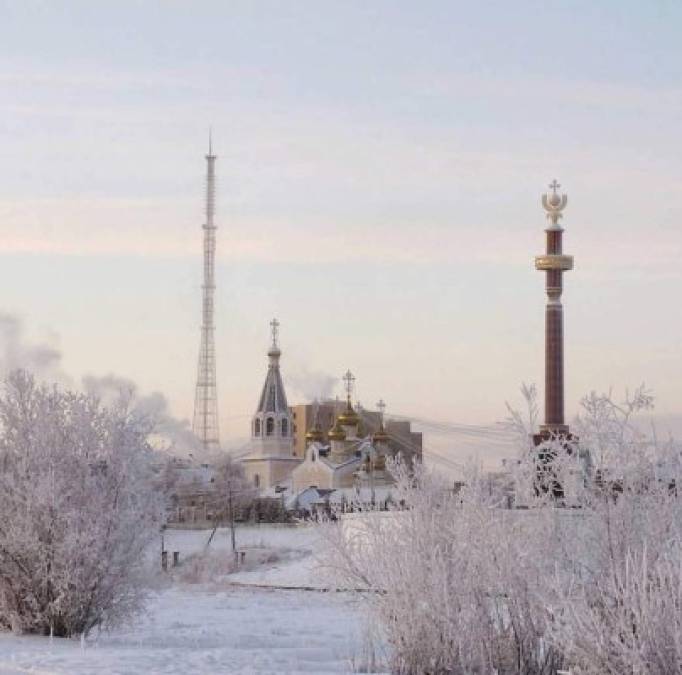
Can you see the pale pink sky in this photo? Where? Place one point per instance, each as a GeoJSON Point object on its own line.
{"type": "Point", "coordinates": [380, 169]}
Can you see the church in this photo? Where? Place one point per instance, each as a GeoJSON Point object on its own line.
{"type": "Point", "coordinates": [271, 457]}
{"type": "Point", "coordinates": [349, 458]}
{"type": "Point", "coordinates": [352, 453]}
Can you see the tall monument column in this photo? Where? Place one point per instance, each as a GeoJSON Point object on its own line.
{"type": "Point", "coordinates": [554, 263]}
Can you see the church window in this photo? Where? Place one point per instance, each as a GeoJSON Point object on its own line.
{"type": "Point", "coordinates": [256, 481]}
{"type": "Point", "coordinates": [285, 427]}
{"type": "Point", "coordinates": [269, 426]}
{"type": "Point", "coordinates": [256, 427]}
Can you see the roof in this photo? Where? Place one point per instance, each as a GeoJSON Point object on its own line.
{"type": "Point", "coordinates": [335, 496]}
{"type": "Point", "coordinates": [273, 398]}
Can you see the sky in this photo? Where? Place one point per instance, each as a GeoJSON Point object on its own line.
{"type": "Point", "coordinates": [380, 167]}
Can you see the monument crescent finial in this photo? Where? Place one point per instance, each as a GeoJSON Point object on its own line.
{"type": "Point", "coordinates": [554, 204]}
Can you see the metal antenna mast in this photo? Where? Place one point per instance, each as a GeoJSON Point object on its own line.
{"type": "Point", "coordinates": [205, 423]}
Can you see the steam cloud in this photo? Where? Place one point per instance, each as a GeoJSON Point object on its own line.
{"type": "Point", "coordinates": [109, 388]}
{"type": "Point", "coordinates": [44, 361]}
{"type": "Point", "coordinates": [312, 385]}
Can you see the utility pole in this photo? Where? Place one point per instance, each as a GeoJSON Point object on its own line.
{"type": "Point", "coordinates": [164, 553]}
{"type": "Point", "coordinates": [230, 506]}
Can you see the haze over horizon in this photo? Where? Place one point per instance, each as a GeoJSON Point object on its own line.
{"type": "Point", "coordinates": [379, 177]}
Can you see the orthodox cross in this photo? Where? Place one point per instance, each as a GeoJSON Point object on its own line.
{"type": "Point", "coordinates": [274, 324]}
{"type": "Point", "coordinates": [381, 407]}
{"type": "Point", "coordinates": [554, 186]}
{"type": "Point", "coordinates": [349, 379]}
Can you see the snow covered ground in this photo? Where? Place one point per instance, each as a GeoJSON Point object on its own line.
{"type": "Point", "coordinates": [214, 627]}
{"type": "Point", "coordinates": [294, 548]}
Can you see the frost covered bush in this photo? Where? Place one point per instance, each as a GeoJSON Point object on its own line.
{"type": "Point", "coordinates": [212, 566]}
{"type": "Point", "coordinates": [77, 506]}
{"type": "Point", "coordinates": [206, 567]}
{"type": "Point", "coordinates": [461, 583]}
{"type": "Point", "coordinates": [455, 591]}
{"type": "Point", "coordinates": [618, 598]}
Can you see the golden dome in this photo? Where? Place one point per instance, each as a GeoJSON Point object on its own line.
{"type": "Point", "coordinates": [336, 433]}
{"type": "Point", "coordinates": [315, 434]}
{"type": "Point", "coordinates": [348, 417]}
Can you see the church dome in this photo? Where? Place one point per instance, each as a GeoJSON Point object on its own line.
{"type": "Point", "coordinates": [314, 434]}
{"type": "Point", "coordinates": [348, 417]}
{"type": "Point", "coordinates": [336, 433]}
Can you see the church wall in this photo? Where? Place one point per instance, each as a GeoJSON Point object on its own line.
{"type": "Point", "coordinates": [345, 476]}
{"type": "Point", "coordinates": [269, 471]}
{"type": "Point", "coordinates": [271, 447]}
{"type": "Point", "coordinates": [261, 468]}
{"type": "Point", "coordinates": [280, 471]}
{"type": "Point", "coordinates": [322, 475]}
{"type": "Point", "coordinates": [312, 473]}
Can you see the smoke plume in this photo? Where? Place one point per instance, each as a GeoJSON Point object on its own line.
{"type": "Point", "coordinates": [44, 361]}
{"type": "Point", "coordinates": [176, 434]}
{"type": "Point", "coordinates": [312, 385]}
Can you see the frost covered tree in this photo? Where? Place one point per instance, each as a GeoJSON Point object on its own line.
{"type": "Point", "coordinates": [453, 590]}
{"type": "Point", "coordinates": [617, 595]}
{"type": "Point", "coordinates": [78, 509]}
{"type": "Point", "coordinates": [463, 584]}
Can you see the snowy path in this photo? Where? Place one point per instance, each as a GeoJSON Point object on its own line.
{"type": "Point", "coordinates": [190, 631]}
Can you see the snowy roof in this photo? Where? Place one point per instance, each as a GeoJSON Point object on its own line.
{"type": "Point", "coordinates": [308, 496]}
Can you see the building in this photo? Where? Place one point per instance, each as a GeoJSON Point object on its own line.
{"type": "Point", "coordinates": [193, 497]}
{"type": "Point", "coordinates": [305, 415]}
{"type": "Point", "coordinates": [347, 455]}
{"type": "Point", "coordinates": [328, 445]}
{"type": "Point", "coordinates": [402, 440]}
{"type": "Point", "coordinates": [271, 457]}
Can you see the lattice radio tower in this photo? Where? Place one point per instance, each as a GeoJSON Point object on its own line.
{"type": "Point", "coordinates": [205, 422]}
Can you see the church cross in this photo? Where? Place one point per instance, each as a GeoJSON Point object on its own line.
{"type": "Point", "coordinates": [274, 324]}
{"type": "Point", "coordinates": [349, 378]}
{"type": "Point", "coordinates": [554, 186]}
